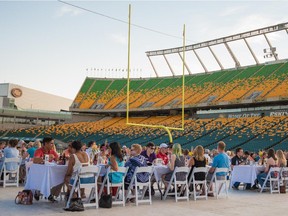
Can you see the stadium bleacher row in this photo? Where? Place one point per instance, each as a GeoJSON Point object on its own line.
{"type": "Point", "coordinates": [256, 83]}
{"type": "Point", "coordinates": [251, 133]}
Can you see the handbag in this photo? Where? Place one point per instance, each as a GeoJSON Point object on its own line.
{"type": "Point", "coordinates": [24, 197]}
{"type": "Point", "coordinates": [283, 188]}
{"type": "Point", "coordinates": [76, 204]}
{"type": "Point", "coordinates": [105, 201]}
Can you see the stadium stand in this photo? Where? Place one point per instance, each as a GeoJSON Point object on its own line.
{"type": "Point", "coordinates": [251, 133]}
{"type": "Point", "coordinates": [255, 83]}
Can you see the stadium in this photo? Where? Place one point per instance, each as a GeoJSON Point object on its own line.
{"type": "Point", "coordinates": [245, 106]}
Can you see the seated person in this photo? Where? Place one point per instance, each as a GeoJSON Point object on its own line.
{"type": "Point", "coordinates": [115, 161]}
{"type": "Point", "coordinates": [135, 161]}
{"type": "Point", "coordinates": [163, 150]}
{"type": "Point", "coordinates": [32, 149]}
{"type": "Point", "coordinates": [149, 153]}
{"type": "Point", "coordinates": [11, 152]}
{"type": "Point", "coordinates": [77, 159]}
{"type": "Point", "coordinates": [271, 162]}
{"type": "Point", "coordinates": [177, 160]}
{"type": "Point", "coordinates": [221, 160]}
{"type": "Point", "coordinates": [198, 160]}
{"type": "Point", "coordinates": [48, 145]}
{"type": "Point", "coordinates": [248, 158]}
{"type": "Point", "coordinates": [102, 156]}
{"type": "Point", "coordinates": [47, 149]}
{"type": "Point", "coordinates": [281, 159]}
{"type": "Point", "coordinates": [67, 152]}
{"type": "Point", "coordinates": [237, 160]}
{"type": "Point", "coordinates": [2, 147]}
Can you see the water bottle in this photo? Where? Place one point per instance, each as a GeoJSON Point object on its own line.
{"type": "Point", "coordinates": [46, 158]}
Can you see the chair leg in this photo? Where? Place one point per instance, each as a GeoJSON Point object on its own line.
{"type": "Point", "coordinates": [194, 191]}
{"type": "Point", "coordinates": [96, 196]}
{"type": "Point", "coordinates": [175, 191]}
{"type": "Point", "coordinates": [123, 194]}
{"type": "Point", "coordinates": [136, 194]}
{"type": "Point", "coordinates": [206, 190]}
{"type": "Point", "coordinates": [216, 189]}
{"type": "Point", "coordinates": [187, 191]}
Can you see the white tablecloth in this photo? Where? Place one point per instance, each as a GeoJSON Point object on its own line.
{"type": "Point", "coordinates": [245, 173]}
{"type": "Point", "coordinates": [44, 177]}
{"type": "Point", "coordinates": [159, 171]}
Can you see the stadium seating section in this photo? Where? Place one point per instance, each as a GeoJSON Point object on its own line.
{"type": "Point", "coordinates": [256, 83]}
{"type": "Point", "coordinates": [251, 84]}
{"type": "Point", "coordinates": [252, 133]}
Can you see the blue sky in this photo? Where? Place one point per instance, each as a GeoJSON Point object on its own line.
{"type": "Point", "coordinates": [48, 46]}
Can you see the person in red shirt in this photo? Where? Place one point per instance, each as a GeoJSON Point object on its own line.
{"type": "Point", "coordinates": [163, 153]}
{"type": "Point", "coordinates": [47, 148]}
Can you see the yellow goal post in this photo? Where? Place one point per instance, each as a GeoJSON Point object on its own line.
{"type": "Point", "coordinates": [167, 128]}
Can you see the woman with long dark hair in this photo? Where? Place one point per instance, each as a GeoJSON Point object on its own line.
{"type": "Point", "coordinates": [115, 161]}
{"type": "Point", "coordinates": [271, 162]}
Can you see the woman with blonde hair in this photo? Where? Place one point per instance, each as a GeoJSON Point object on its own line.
{"type": "Point", "coordinates": [198, 160]}
{"type": "Point", "coordinates": [281, 159]}
{"type": "Point", "coordinates": [177, 159]}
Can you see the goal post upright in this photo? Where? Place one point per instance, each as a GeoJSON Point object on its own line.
{"type": "Point", "coordinates": [166, 128]}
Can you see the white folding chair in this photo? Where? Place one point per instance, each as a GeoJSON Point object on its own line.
{"type": "Point", "coordinates": [184, 184]}
{"type": "Point", "coordinates": [11, 171]}
{"type": "Point", "coordinates": [120, 186]}
{"type": "Point", "coordinates": [273, 180]}
{"type": "Point", "coordinates": [196, 183]}
{"type": "Point", "coordinates": [220, 181]}
{"type": "Point", "coordinates": [284, 177]}
{"type": "Point", "coordinates": [144, 185]}
{"type": "Point", "coordinates": [83, 172]}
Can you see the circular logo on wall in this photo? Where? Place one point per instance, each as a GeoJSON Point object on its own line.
{"type": "Point", "coordinates": [16, 92]}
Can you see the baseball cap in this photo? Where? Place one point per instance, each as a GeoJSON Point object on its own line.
{"type": "Point", "coordinates": [163, 145]}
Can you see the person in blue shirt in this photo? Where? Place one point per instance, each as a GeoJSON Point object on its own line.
{"type": "Point", "coordinates": [11, 152]}
{"type": "Point", "coordinates": [32, 150]}
{"type": "Point", "coordinates": [115, 161]}
{"type": "Point", "coordinates": [221, 160]}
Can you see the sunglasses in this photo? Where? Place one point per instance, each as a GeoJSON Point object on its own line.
{"type": "Point", "coordinates": [152, 148]}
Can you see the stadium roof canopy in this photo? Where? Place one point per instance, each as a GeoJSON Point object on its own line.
{"type": "Point", "coordinates": [270, 52]}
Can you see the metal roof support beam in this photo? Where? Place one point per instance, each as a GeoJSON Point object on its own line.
{"type": "Point", "coordinates": [186, 66]}
{"type": "Point", "coordinates": [237, 63]}
{"type": "Point", "coordinates": [271, 48]}
{"type": "Point", "coordinates": [199, 59]}
{"type": "Point", "coordinates": [171, 69]}
{"type": "Point", "coordinates": [217, 60]}
{"type": "Point", "coordinates": [251, 51]}
{"type": "Point", "coordinates": [154, 69]}
{"type": "Point", "coordinates": [235, 37]}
